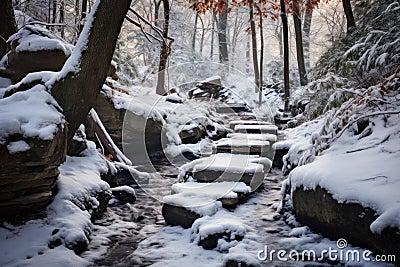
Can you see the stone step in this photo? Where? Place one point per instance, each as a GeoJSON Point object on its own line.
{"type": "Point", "coordinates": [220, 167]}
{"type": "Point", "coordinates": [244, 146]}
{"type": "Point", "coordinates": [191, 200]}
{"type": "Point", "coordinates": [271, 138]}
{"type": "Point", "coordinates": [257, 129]}
{"type": "Point", "coordinates": [232, 124]}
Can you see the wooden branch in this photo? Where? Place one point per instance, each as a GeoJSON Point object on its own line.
{"type": "Point", "coordinates": [155, 28]}
{"type": "Point", "coordinates": [105, 138]}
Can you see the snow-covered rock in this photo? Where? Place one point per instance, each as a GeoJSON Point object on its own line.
{"type": "Point", "coordinates": [34, 49]}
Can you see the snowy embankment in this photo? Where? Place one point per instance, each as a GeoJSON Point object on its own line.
{"type": "Point", "coordinates": [352, 152]}
{"type": "Point", "coordinates": [67, 223]}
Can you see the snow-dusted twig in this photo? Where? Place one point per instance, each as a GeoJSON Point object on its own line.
{"type": "Point", "coordinates": [360, 118]}
{"type": "Point", "coordinates": [155, 28]}
{"type": "Point", "coordinates": [146, 34]}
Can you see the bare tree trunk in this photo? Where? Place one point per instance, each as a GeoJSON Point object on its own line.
{"type": "Point", "coordinates": [261, 58]}
{"type": "Point", "coordinates": [299, 43]}
{"type": "Point", "coordinates": [7, 24]}
{"type": "Point", "coordinates": [306, 37]}
{"type": "Point", "coordinates": [83, 14]}
{"type": "Point", "coordinates": [76, 92]}
{"type": "Point", "coordinates": [254, 48]}
{"type": "Point", "coordinates": [348, 11]}
{"type": "Point", "coordinates": [222, 36]}
{"type": "Point", "coordinates": [164, 53]}
{"type": "Point", "coordinates": [203, 31]}
{"type": "Point", "coordinates": [156, 11]}
{"type": "Point", "coordinates": [248, 55]}
{"type": "Point", "coordinates": [54, 12]}
{"type": "Point", "coordinates": [212, 35]}
{"type": "Point", "coordinates": [61, 20]}
{"type": "Point", "coordinates": [234, 38]}
{"type": "Point", "coordinates": [285, 54]}
{"type": "Point", "coordinates": [194, 33]}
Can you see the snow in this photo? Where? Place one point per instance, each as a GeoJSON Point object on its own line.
{"type": "Point", "coordinates": [213, 190]}
{"type": "Point", "coordinates": [248, 122]}
{"type": "Point", "coordinates": [202, 205]}
{"type": "Point", "coordinates": [41, 119]}
{"type": "Point", "coordinates": [227, 162]}
{"type": "Point", "coordinates": [221, 222]}
{"type": "Point", "coordinates": [355, 165]}
{"type": "Point", "coordinates": [367, 177]}
{"type": "Point", "coordinates": [236, 142]}
{"type": "Point", "coordinates": [33, 38]}
{"type": "Point", "coordinates": [124, 188]}
{"type": "Point", "coordinates": [260, 137]}
{"type": "Point", "coordinates": [211, 79]}
{"type": "Point", "coordinates": [18, 146]}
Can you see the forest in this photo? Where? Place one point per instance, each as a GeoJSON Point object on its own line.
{"type": "Point", "coordinates": [199, 133]}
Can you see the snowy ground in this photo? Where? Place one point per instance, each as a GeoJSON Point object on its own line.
{"type": "Point", "coordinates": [175, 246]}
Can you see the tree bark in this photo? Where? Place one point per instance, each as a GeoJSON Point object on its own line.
{"type": "Point", "coordinates": [285, 53]}
{"type": "Point", "coordinates": [194, 33]}
{"type": "Point", "coordinates": [254, 48]}
{"type": "Point", "coordinates": [261, 58]}
{"type": "Point", "coordinates": [7, 24]}
{"type": "Point", "coordinates": [54, 12]}
{"type": "Point", "coordinates": [203, 32]}
{"type": "Point", "coordinates": [83, 15]}
{"type": "Point", "coordinates": [348, 11]}
{"type": "Point", "coordinates": [222, 36]}
{"type": "Point", "coordinates": [306, 37]}
{"type": "Point", "coordinates": [61, 19]}
{"type": "Point", "coordinates": [156, 11]}
{"type": "Point", "coordinates": [164, 53]}
{"type": "Point", "coordinates": [76, 92]}
{"type": "Point", "coordinates": [235, 35]}
{"type": "Point", "coordinates": [212, 36]}
{"type": "Point", "coordinates": [299, 43]}
{"type": "Point", "coordinates": [248, 54]}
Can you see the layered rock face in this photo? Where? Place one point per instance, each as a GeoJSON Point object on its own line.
{"type": "Point", "coordinates": [28, 178]}
{"type": "Point", "coordinates": [322, 212]}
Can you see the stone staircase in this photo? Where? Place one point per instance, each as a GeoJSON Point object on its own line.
{"type": "Point", "coordinates": [222, 181]}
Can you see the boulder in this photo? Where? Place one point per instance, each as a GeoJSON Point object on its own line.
{"type": "Point", "coordinates": [319, 210]}
{"type": "Point", "coordinates": [124, 194]}
{"type": "Point", "coordinates": [178, 216]}
{"type": "Point", "coordinates": [34, 49]}
{"type": "Point", "coordinates": [28, 178]}
{"type": "Point", "coordinates": [211, 241]}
